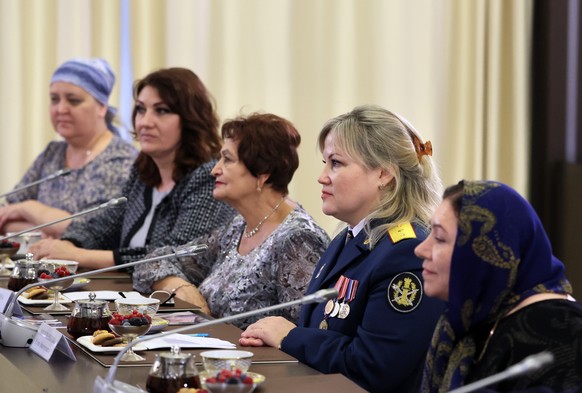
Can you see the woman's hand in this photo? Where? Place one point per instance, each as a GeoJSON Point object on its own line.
{"type": "Point", "coordinates": [54, 249]}
{"type": "Point", "coordinates": [267, 331]}
{"type": "Point", "coordinates": [16, 212]}
{"type": "Point", "coordinates": [184, 290]}
{"type": "Point", "coordinates": [19, 216]}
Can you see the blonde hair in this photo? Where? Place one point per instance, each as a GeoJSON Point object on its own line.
{"type": "Point", "coordinates": [378, 138]}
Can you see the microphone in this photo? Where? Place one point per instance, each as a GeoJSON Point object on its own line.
{"type": "Point", "coordinates": [110, 203]}
{"type": "Point", "coordinates": [527, 365]}
{"type": "Point", "coordinates": [59, 173]}
{"type": "Point", "coordinates": [109, 385]}
{"type": "Point", "coordinates": [13, 332]}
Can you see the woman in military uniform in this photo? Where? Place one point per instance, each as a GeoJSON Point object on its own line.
{"type": "Point", "coordinates": [379, 179]}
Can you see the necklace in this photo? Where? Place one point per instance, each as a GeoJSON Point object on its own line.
{"type": "Point", "coordinates": [254, 231]}
{"type": "Point", "coordinates": [82, 159]}
{"type": "Point", "coordinates": [491, 333]}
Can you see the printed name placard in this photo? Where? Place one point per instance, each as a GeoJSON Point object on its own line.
{"type": "Point", "coordinates": [47, 339]}
{"type": "Point", "coordinates": [6, 297]}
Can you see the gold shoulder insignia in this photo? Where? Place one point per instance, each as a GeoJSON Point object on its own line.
{"type": "Point", "coordinates": [401, 232]}
{"type": "Point", "coordinates": [405, 292]}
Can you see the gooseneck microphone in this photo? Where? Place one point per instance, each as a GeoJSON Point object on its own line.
{"type": "Point", "coordinates": [59, 173]}
{"type": "Point", "coordinates": [109, 385]}
{"type": "Point", "coordinates": [111, 203]}
{"type": "Point", "coordinates": [527, 365]}
{"type": "Point", "coordinates": [15, 333]}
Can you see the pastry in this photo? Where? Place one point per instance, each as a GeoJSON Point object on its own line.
{"type": "Point", "coordinates": [100, 336]}
{"type": "Point", "coordinates": [36, 293]}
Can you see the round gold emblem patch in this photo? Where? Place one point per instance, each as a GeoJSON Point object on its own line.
{"type": "Point", "coordinates": [405, 292]}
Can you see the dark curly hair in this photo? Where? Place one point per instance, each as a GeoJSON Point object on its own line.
{"type": "Point", "coordinates": [185, 95]}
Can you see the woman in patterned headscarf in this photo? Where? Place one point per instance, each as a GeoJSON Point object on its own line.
{"type": "Point", "coordinates": [507, 296]}
{"type": "Point", "coordinates": [98, 160]}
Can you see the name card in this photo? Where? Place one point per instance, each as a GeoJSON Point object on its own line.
{"type": "Point", "coordinates": [6, 296]}
{"type": "Point", "coordinates": [47, 339]}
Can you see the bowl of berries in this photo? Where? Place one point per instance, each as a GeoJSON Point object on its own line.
{"type": "Point", "coordinates": [230, 381]}
{"type": "Point", "coordinates": [132, 319]}
{"type": "Point", "coordinates": [51, 269]}
{"type": "Point", "coordinates": [226, 359]}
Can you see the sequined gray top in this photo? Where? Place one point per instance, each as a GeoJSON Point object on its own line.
{"type": "Point", "coordinates": [97, 182]}
{"type": "Point", "coordinates": [277, 271]}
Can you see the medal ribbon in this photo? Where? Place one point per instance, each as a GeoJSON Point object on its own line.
{"type": "Point", "coordinates": [351, 291]}
{"type": "Point", "coordinates": [343, 281]}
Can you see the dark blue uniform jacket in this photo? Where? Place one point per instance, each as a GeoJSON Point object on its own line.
{"type": "Point", "coordinates": [382, 343]}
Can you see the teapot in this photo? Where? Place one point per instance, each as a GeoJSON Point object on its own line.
{"type": "Point", "coordinates": [172, 371]}
{"type": "Point", "coordinates": [87, 316]}
{"type": "Point", "coordinates": [24, 273]}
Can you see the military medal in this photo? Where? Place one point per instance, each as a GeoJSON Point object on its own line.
{"type": "Point", "coordinates": [335, 311]}
{"type": "Point", "coordinates": [343, 286]}
{"type": "Point", "coordinates": [344, 310]}
{"type": "Point", "coordinates": [328, 307]}
{"type": "Point", "coordinates": [331, 307]}
{"type": "Point", "coordinates": [352, 287]}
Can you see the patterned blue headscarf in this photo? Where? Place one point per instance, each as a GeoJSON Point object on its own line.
{"type": "Point", "coordinates": [502, 255]}
{"type": "Point", "coordinates": [95, 76]}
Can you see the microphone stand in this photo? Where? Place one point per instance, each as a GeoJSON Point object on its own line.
{"type": "Point", "coordinates": [529, 364]}
{"type": "Point", "coordinates": [110, 203]}
{"type": "Point", "coordinates": [59, 173]}
{"type": "Point", "coordinates": [6, 322]}
{"type": "Point", "coordinates": [109, 382]}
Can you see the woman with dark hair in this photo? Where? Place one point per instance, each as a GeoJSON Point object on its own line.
{"type": "Point", "coordinates": [169, 190]}
{"type": "Point", "coordinates": [507, 296]}
{"type": "Point", "coordinates": [267, 253]}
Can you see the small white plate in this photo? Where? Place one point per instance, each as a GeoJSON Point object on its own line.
{"type": "Point", "coordinates": [50, 300]}
{"type": "Point", "coordinates": [87, 342]}
{"type": "Point", "coordinates": [9, 264]}
{"type": "Point", "coordinates": [78, 283]}
{"type": "Point", "coordinates": [158, 324]}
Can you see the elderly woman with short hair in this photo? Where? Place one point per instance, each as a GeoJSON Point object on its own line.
{"type": "Point", "coordinates": [267, 253]}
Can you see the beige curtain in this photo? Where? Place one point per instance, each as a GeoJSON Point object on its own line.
{"type": "Point", "coordinates": [456, 69]}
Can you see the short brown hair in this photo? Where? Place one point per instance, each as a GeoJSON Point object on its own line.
{"type": "Point", "coordinates": [185, 95]}
{"type": "Point", "coordinates": [267, 144]}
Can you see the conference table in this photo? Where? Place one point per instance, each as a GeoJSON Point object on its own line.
{"type": "Point", "coordinates": [22, 370]}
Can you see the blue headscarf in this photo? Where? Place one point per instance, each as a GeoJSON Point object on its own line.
{"type": "Point", "coordinates": [95, 76]}
{"type": "Point", "coordinates": [502, 256]}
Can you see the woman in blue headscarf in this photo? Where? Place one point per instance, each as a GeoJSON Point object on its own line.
{"type": "Point", "coordinates": [507, 296]}
{"type": "Point", "coordinates": [98, 159]}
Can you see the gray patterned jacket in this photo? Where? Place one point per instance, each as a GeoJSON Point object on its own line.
{"type": "Point", "coordinates": [188, 211]}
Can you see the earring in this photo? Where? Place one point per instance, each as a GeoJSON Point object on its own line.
{"type": "Point", "coordinates": [259, 189]}
{"type": "Point", "coordinates": [382, 186]}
